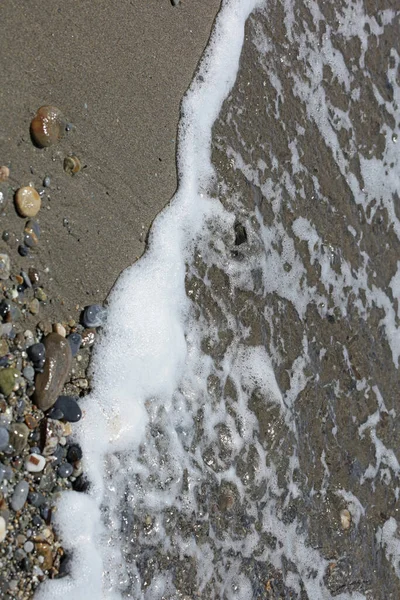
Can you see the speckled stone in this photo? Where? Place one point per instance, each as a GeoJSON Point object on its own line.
{"type": "Point", "coordinates": [49, 383]}
{"type": "Point", "coordinates": [8, 379]}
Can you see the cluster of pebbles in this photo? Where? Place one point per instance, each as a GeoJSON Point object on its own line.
{"type": "Point", "coordinates": [43, 377]}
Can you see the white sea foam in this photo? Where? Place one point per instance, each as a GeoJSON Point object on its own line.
{"type": "Point", "coordinates": [154, 382]}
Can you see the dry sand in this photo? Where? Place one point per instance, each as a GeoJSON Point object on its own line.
{"type": "Point", "coordinates": [118, 72]}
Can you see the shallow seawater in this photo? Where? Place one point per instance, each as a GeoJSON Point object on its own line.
{"type": "Point", "coordinates": [244, 443]}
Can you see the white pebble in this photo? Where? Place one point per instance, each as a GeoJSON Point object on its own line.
{"type": "Point", "coordinates": [3, 529]}
{"type": "Point", "coordinates": [345, 518]}
{"type": "Point", "coordinates": [35, 463]}
{"type": "Point", "coordinates": [28, 547]}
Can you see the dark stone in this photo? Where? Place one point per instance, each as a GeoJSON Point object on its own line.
{"type": "Point", "coordinates": [49, 384]}
{"type": "Point", "coordinates": [65, 470]}
{"type": "Point", "coordinates": [94, 316]}
{"type": "Point", "coordinates": [81, 484]}
{"type": "Point", "coordinates": [23, 250]}
{"type": "Point", "coordinates": [74, 453]}
{"type": "Point", "coordinates": [69, 407]}
{"type": "Point", "coordinates": [240, 234]}
{"type": "Point", "coordinates": [37, 353]}
{"type": "Point", "coordinates": [36, 499]}
{"type": "Point", "coordinates": [4, 310]}
{"type": "Point", "coordinates": [74, 340]}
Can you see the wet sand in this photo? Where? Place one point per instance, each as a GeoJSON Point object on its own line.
{"type": "Point", "coordinates": [118, 73]}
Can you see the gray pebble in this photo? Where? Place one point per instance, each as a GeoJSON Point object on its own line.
{"type": "Point", "coordinates": [28, 546]}
{"type": "Point", "coordinates": [20, 495]}
{"type": "Point", "coordinates": [4, 438]}
{"type": "Point", "coordinates": [29, 373]}
{"type": "Point", "coordinates": [65, 470]}
{"type": "Point", "coordinates": [94, 316]}
{"type": "Point", "coordinates": [75, 341]}
{"type": "Point", "coordinates": [46, 182]}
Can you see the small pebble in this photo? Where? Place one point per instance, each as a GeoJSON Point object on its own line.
{"type": "Point", "coordinates": [75, 340]}
{"type": "Point", "coordinates": [35, 463]}
{"type": "Point", "coordinates": [4, 173]}
{"type": "Point", "coordinates": [18, 436]}
{"type": "Point", "coordinates": [74, 453]}
{"type": "Point", "coordinates": [23, 250]}
{"type": "Point", "coordinates": [65, 470]}
{"type": "Point", "coordinates": [60, 329]}
{"type": "Point", "coordinates": [5, 266]}
{"type": "Point", "coordinates": [33, 275]}
{"type": "Point", "coordinates": [27, 201]}
{"type": "Point", "coordinates": [72, 165]}
{"type": "Point", "coordinates": [20, 495]}
{"type": "Point", "coordinates": [37, 353]}
{"type": "Point", "coordinates": [94, 316]}
{"type": "Point", "coordinates": [47, 126]}
{"type": "Point", "coordinates": [46, 182]}
{"type": "Point", "coordinates": [29, 546]}
{"type": "Point", "coordinates": [3, 529]}
{"type": "Point", "coordinates": [29, 373]}
{"type": "Point", "coordinates": [36, 499]}
{"type": "Point", "coordinates": [34, 306]}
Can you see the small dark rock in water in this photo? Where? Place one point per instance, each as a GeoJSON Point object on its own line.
{"type": "Point", "coordinates": [29, 373]}
{"type": "Point", "coordinates": [37, 354]}
{"type": "Point", "coordinates": [240, 234]}
{"type": "Point", "coordinates": [94, 316]}
{"type": "Point", "coordinates": [20, 495]}
{"type": "Point", "coordinates": [69, 407]}
{"type": "Point", "coordinates": [81, 484]}
{"type": "Point", "coordinates": [57, 366]}
{"type": "Point", "coordinates": [65, 470]}
{"type": "Point", "coordinates": [74, 453]}
{"type": "Point", "coordinates": [23, 250]}
{"type": "Point", "coordinates": [74, 340]}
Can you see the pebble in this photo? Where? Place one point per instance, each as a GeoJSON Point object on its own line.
{"type": "Point", "coordinates": [28, 546]}
{"type": "Point", "coordinates": [32, 233]}
{"type": "Point", "coordinates": [20, 495]}
{"type": "Point", "coordinates": [74, 340]}
{"type": "Point", "coordinates": [34, 306]}
{"type": "Point", "coordinates": [65, 470]}
{"type": "Point", "coordinates": [3, 347]}
{"type": "Point", "coordinates": [94, 316]}
{"type": "Point", "coordinates": [4, 173]}
{"type": "Point", "coordinates": [27, 201]}
{"type": "Point", "coordinates": [35, 463]}
{"type": "Point", "coordinates": [4, 438]}
{"type": "Point", "coordinates": [345, 519]}
{"type": "Point", "coordinates": [74, 453]}
{"type": "Point", "coordinates": [29, 373]}
{"type": "Point", "coordinates": [37, 354]}
{"type": "Point", "coordinates": [69, 408]}
{"type": "Point", "coordinates": [57, 366]}
{"type": "Point", "coordinates": [33, 275]}
{"type": "Point", "coordinates": [3, 529]}
{"type": "Point", "coordinates": [18, 436]}
{"type": "Point", "coordinates": [47, 126]}
{"type": "Point", "coordinates": [36, 499]}
{"type": "Point", "coordinates": [23, 250]}
{"type": "Point", "coordinates": [60, 329]}
{"type": "Point", "coordinates": [46, 182]}
{"type": "Point", "coordinates": [72, 165]}
{"type": "Point", "coordinates": [5, 266]}
{"type": "Point", "coordinates": [8, 380]}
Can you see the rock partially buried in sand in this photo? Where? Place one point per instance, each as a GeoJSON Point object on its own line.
{"type": "Point", "coordinates": [4, 173]}
{"type": "Point", "coordinates": [27, 201]}
{"type": "Point", "coordinates": [47, 126]}
{"type": "Point", "coordinates": [72, 165]}
{"type": "Point", "coordinates": [57, 366]}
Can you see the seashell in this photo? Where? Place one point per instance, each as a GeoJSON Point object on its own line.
{"type": "Point", "coordinates": [27, 201]}
{"type": "Point", "coordinates": [4, 173]}
{"type": "Point", "coordinates": [72, 165]}
{"type": "Point", "coordinates": [47, 126]}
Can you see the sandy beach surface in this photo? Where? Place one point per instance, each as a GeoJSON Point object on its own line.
{"type": "Point", "coordinates": [118, 73]}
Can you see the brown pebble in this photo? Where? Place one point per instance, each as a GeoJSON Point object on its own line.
{"type": "Point", "coordinates": [4, 173]}
{"type": "Point", "coordinates": [31, 421]}
{"type": "Point", "coordinates": [60, 329]}
{"type": "Point", "coordinates": [45, 550]}
{"type": "Point", "coordinates": [33, 275]}
{"type": "Point", "coordinates": [72, 165]}
{"type": "Point", "coordinates": [47, 126]}
{"type": "Point", "coordinates": [34, 306]}
{"type": "Point", "coordinates": [45, 327]}
{"type": "Point", "coordinates": [27, 201]}
{"type": "Point", "coordinates": [49, 383]}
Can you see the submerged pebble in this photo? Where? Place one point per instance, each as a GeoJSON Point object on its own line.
{"type": "Point", "coordinates": [20, 495]}
{"type": "Point", "coordinates": [94, 316]}
{"type": "Point", "coordinates": [47, 126]}
{"type": "Point", "coordinates": [27, 201]}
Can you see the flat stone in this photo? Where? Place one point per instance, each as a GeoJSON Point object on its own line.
{"type": "Point", "coordinates": [66, 407]}
{"type": "Point", "coordinates": [8, 379]}
{"type": "Point", "coordinates": [18, 433]}
{"type": "Point", "coordinates": [49, 383]}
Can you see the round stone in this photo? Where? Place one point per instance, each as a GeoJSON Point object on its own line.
{"type": "Point", "coordinates": [74, 453]}
{"type": "Point", "coordinates": [20, 495]}
{"type": "Point", "coordinates": [94, 316]}
{"type": "Point", "coordinates": [27, 201]}
{"type": "Point", "coordinates": [29, 373]}
{"type": "Point", "coordinates": [29, 546]}
{"type": "Point", "coordinates": [65, 470]}
{"type": "Point", "coordinates": [37, 354]}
